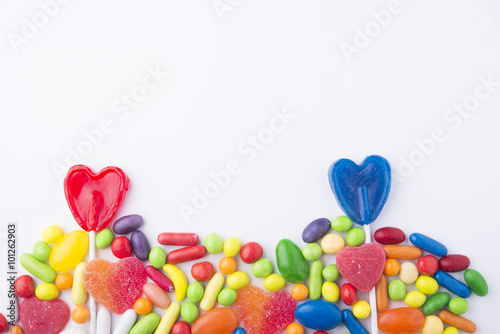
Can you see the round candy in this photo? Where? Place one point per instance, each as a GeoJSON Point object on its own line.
{"type": "Point", "coordinates": [143, 306]}
{"type": "Point", "coordinates": [330, 291]}
{"type": "Point", "coordinates": [64, 281]}
{"type": "Point", "coordinates": [213, 243]}
{"type": "Point", "coordinates": [312, 252]}
{"type": "Point", "coordinates": [251, 252]}
{"type": "Point", "coordinates": [47, 291]}
{"type": "Point", "coordinates": [408, 272]}
{"type": "Point", "coordinates": [391, 267]}
{"type": "Point", "coordinates": [315, 230]}
{"type": "Point", "coordinates": [361, 309]}
{"type": "Point", "coordinates": [227, 265]}
{"type": "Point", "coordinates": [41, 250]}
{"type": "Point", "coordinates": [195, 291]}
{"type": "Point", "coordinates": [238, 280]}
{"type": "Point", "coordinates": [332, 243]}
{"type": "Point", "coordinates": [104, 238]}
{"type": "Point", "coordinates": [16, 330]}
{"type": "Point", "coordinates": [189, 312]}
{"type": "Point", "coordinates": [428, 265]}
{"type": "Point", "coordinates": [52, 234]}
{"type": "Point", "coordinates": [415, 298]}
{"type": "Point", "coordinates": [232, 246]}
{"type": "Point", "coordinates": [396, 290]}
{"type": "Point", "coordinates": [120, 247]}
{"type": "Point", "coordinates": [274, 282]}
{"type": "Point", "coordinates": [348, 293]}
{"type": "Point", "coordinates": [227, 297]}
{"type": "Point", "coordinates": [331, 272]}
{"type": "Point", "coordinates": [432, 325]}
{"type": "Point", "coordinates": [262, 268]}
{"type": "Point", "coordinates": [451, 330]}
{"type": "Point", "coordinates": [299, 292]}
{"type": "Point", "coordinates": [24, 286]}
{"type": "Point", "coordinates": [80, 315]}
{"type": "Point", "coordinates": [355, 237]}
{"type": "Point", "coordinates": [342, 224]}
{"type": "Point", "coordinates": [202, 271]}
{"type": "Point", "coordinates": [458, 305]}
{"type": "Point", "coordinates": [181, 327]}
{"type": "Point", "coordinates": [427, 285]}
{"type": "Point", "coordinates": [294, 328]}
{"type": "Point", "coordinates": [157, 257]}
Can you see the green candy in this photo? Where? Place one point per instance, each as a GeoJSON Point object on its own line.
{"type": "Point", "coordinates": [312, 251]}
{"type": "Point", "coordinates": [355, 237]}
{"type": "Point", "coordinates": [227, 297]}
{"type": "Point", "coordinates": [213, 243]}
{"type": "Point", "coordinates": [476, 282]}
{"type": "Point", "coordinates": [157, 257]}
{"type": "Point", "coordinates": [146, 325]}
{"type": "Point", "coordinates": [458, 305]}
{"type": "Point", "coordinates": [41, 250]}
{"type": "Point", "coordinates": [291, 263]}
{"type": "Point", "coordinates": [104, 238]}
{"type": "Point", "coordinates": [397, 290]}
{"type": "Point", "coordinates": [435, 303]}
{"type": "Point", "coordinates": [38, 268]}
{"type": "Point", "coordinates": [195, 291]}
{"type": "Point", "coordinates": [262, 268]}
{"type": "Point", "coordinates": [331, 272]}
{"type": "Point", "coordinates": [342, 224]}
{"type": "Point", "coordinates": [315, 280]}
{"type": "Point", "coordinates": [189, 312]}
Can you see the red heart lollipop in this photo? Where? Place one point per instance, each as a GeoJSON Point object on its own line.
{"type": "Point", "coordinates": [94, 198]}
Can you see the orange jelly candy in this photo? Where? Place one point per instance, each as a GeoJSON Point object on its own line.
{"type": "Point", "coordinates": [404, 320]}
{"type": "Point", "coordinates": [221, 320]}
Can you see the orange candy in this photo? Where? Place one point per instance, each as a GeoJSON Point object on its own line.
{"type": "Point", "coordinates": [216, 321]}
{"type": "Point", "coordinates": [382, 294]}
{"type": "Point", "coordinates": [64, 281]}
{"type": "Point", "coordinates": [402, 252]}
{"type": "Point", "coordinates": [391, 267]}
{"type": "Point", "coordinates": [143, 306]}
{"type": "Point", "coordinates": [401, 320]}
{"type": "Point", "coordinates": [227, 265]}
{"type": "Point", "coordinates": [457, 321]}
{"type": "Point", "coordinates": [80, 315]}
{"type": "Point", "coordinates": [299, 292]}
{"type": "Point", "coordinates": [294, 328]}
{"type": "Point", "coordinates": [16, 330]}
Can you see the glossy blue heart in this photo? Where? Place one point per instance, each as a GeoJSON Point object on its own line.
{"type": "Point", "coordinates": [361, 190]}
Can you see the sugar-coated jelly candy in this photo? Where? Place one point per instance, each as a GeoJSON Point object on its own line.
{"type": "Point", "coordinates": [476, 282]}
{"type": "Point", "coordinates": [453, 263]}
{"type": "Point", "coordinates": [69, 251]}
{"type": "Point", "coordinates": [315, 230]}
{"type": "Point", "coordinates": [401, 320]}
{"type": "Point", "coordinates": [178, 239]}
{"type": "Point", "coordinates": [140, 245]}
{"type": "Point", "coordinates": [436, 303]}
{"type": "Point", "coordinates": [186, 254]}
{"type": "Point", "coordinates": [389, 236]}
{"type": "Point", "coordinates": [146, 324]}
{"type": "Point", "coordinates": [291, 262]}
{"type": "Point", "coordinates": [318, 314]}
{"type": "Point", "coordinates": [127, 224]}
{"type": "Point", "coordinates": [221, 320]}
{"type": "Point", "coordinates": [202, 271]}
{"type": "Point", "coordinates": [352, 323]}
{"type": "Point", "coordinates": [428, 244]}
{"type": "Point", "coordinates": [452, 284]}
{"type": "Point", "coordinates": [428, 265]}
{"type": "Point", "coordinates": [24, 286]}
{"type": "Point", "coordinates": [251, 252]}
{"type": "Point", "coordinates": [157, 295]}
{"type": "Point", "coordinates": [457, 321]}
{"type": "Point", "coordinates": [38, 268]}
{"type": "Point", "coordinates": [181, 327]}
{"type": "Point", "coordinates": [43, 316]}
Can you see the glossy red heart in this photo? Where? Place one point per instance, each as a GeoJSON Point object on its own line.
{"type": "Point", "coordinates": [361, 266]}
{"type": "Point", "coordinates": [43, 316]}
{"type": "Point", "coordinates": [94, 198]}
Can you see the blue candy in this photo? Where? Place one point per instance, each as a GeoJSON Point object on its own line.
{"type": "Point", "coordinates": [316, 229]}
{"type": "Point", "coordinates": [319, 315]}
{"type": "Point", "coordinates": [428, 244]}
{"type": "Point", "coordinates": [352, 323]}
{"type": "Point", "coordinates": [239, 330]}
{"type": "Point", "coordinates": [452, 284]}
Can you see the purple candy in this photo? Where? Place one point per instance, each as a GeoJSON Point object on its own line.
{"type": "Point", "coordinates": [127, 224]}
{"type": "Point", "coordinates": [315, 230]}
{"type": "Point", "coordinates": [140, 245]}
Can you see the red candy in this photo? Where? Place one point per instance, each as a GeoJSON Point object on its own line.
{"type": "Point", "coordinates": [181, 327]}
{"type": "Point", "coordinates": [454, 263]}
{"type": "Point", "coordinates": [348, 294]}
{"type": "Point", "coordinates": [156, 276]}
{"type": "Point", "coordinates": [186, 254]}
{"type": "Point", "coordinates": [389, 236]}
{"type": "Point", "coordinates": [3, 324]}
{"type": "Point", "coordinates": [427, 265]}
{"type": "Point", "coordinates": [24, 287]}
{"type": "Point", "coordinates": [121, 248]}
{"type": "Point", "coordinates": [43, 316]}
{"type": "Point", "coordinates": [202, 271]}
{"type": "Point", "coordinates": [251, 252]}
{"type": "Point", "coordinates": [178, 239]}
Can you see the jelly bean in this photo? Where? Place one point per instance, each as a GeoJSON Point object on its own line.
{"type": "Point", "coordinates": [361, 309]}
{"type": "Point", "coordinates": [46, 291]}
{"type": "Point", "coordinates": [168, 319]}
{"type": "Point", "coordinates": [436, 302]}
{"type": "Point", "coordinates": [476, 282]}
{"type": "Point", "coordinates": [239, 330]}
{"type": "Point", "coordinates": [396, 290]}
{"type": "Point", "coordinates": [181, 327]}
{"type": "Point", "coordinates": [355, 237]}
{"type": "Point", "coordinates": [348, 294]}
{"type": "Point", "coordinates": [156, 295]}
{"type": "Point", "coordinates": [24, 286]}
{"type": "Point", "coordinates": [16, 330]}
{"type": "Point", "coordinates": [213, 243]}
{"type": "Point", "coordinates": [331, 272]}
{"type": "Point", "coordinates": [352, 323]}
{"type": "Point", "coordinates": [186, 254]}
{"type": "Point", "coordinates": [294, 328]}
{"type": "Point", "coordinates": [318, 314]}
{"type": "Point", "coordinates": [179, 280]}
{"type": "Point", "coordinates": [121, 248]}
{"type": "Point", "coordinates": [156, 276]}
{"type": "Point", "coordinates": [428, 265]}
{"type": "Point", "coordinates": [251, 252]}
{"type": "Point", "coordinates": [391, 267]}
{"type": "Point", "coordinates": [415, 298]}
{"type": "Point", "coordinates": [427, 285]}
{"type": "Point", "coordinates": [382, 294]}
{"type": "Point", "coordinates": [38, 268]}
{"type": "Point", "coordinates": [202, 271]}
{"type": "Point", "coordinates": [227, 297]}
{"type": "Point", "coordinates": [214, 286]}
{"type": "Point", "coordinates": [232, 246]}
{"type": "Point", "coordinates": [330, 291]}
{"type": "Point", "coordinates": [78, 292]}
{"type": "Point", "coordinates": [458, 305]}
{"type": "Point", "coordinates": [428, 244]}
{"type": "Point", "coordinates": [401, 320]}
{"type": "Point", "coordinates": [143, 306]}
{"type": "Point", "coordinates": [291, 263]}
{"type": "Point", "coordinates": [51, 234]}
{"type": "Point", "coordinates": [146, 324]}
{"type": "Point", "coordinates": [195, 291]}
{"type": "Point", "coordinates": [103, 322]}
{"type": "Point", "coordinates": [342, 224]}
{"type": "Point", "coordinates": [262, 268]}
{"type": "Point", "coordinates": [178, 239]}
{"type": "Point", "coordinates": [315, 280]}
{"type": "Point", "coordinates": [41, 250]}
{"type": "Point", "coordinates": [189, 312]}
{"type": "Point", "coordinates": [402, 252]}
{"type": "Point", "coordinates": [457, 321]}
{"type": "Point", "coordinates": [217, 321]}
{"type": "Point", "coordinates": [69, 251]}
{"type": "Point", "coordinates": [451, 283]}
{"type": "Point", "coordinates": [332, 243]}
{"type": "Point", "coordinates": [315, 230]}
{"type": "Point", "coordinates": [80, 315]}
{"type": "Point", "coordinates": [127, 224]}
{"type": "Point", "coordinates": [451, 330]}
{"type": "Point", "coordinates": [274, 282]}
{"type": "Point", "coordinates": [64, 281]}
{"type": "Point", "coordinates": [140, 245]}
{"type": "Point", "coordinates": [312, 252]}
{"type": "Point", "coordinates": [299, 292]}
{"type": "Point", "coordinates": [157, 257]}
{"type": "Point", "coordinates": [126, 322]}
{"type": "Point", "coordinates": [3, 323]}
{"type": "Point", "coordinates": [389, 236]}
{"type": "Point", "coordinates": [432, 325]}
{"type": "Point", "coordinates": [408, 272]}
{"type": "Point", "coordinates": [227, 265]}
{"type": "Point", "coordinates": [454, 263]}
{"type": "Point", "coordinates": [104, 238]}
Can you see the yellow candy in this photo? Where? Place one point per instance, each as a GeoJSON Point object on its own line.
{"type": "Point", "coordinates": [433, 325]}
{"type": "Point", "coordinates": [69, 251]}
{"type": "Point", "coordinates": [274, 282]}
{"type": "Point", "coordinates": [427, 285]}
{"type": "Point", "coordinates": [415, 298]}
{"type": "Point", "coordinates": [212, 291]}
{"type": "Point", "coordinates": [451, 330]}
{"type": "Point", "coordinates": [179, 280]}
{"type": "Point", "coordinates": [232, 247]}
{"type": "Point", "coordinates": [330, 291]}
{"type": "Point", "coordinates": [78, 292]}
{"type": "Point", "coordinates": [361, 309]}
{"type": "Point", "coordinates": [47, 291]}
{"type": "Point", "coordinates": [168, 319]}
{"type": "Point", "coordinates": [332, 243]}
{"type": "Point", "coordinates": [52, 234]}
{"type": "Point", "coordinates": [238, 280]}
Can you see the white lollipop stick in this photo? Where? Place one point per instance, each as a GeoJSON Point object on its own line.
{"type": "Point", "coordinates": [373, 296]}
{"type": "Point", "coordinates": [103, 322]}
{"type": "Point", "coordinates": [92, 305]}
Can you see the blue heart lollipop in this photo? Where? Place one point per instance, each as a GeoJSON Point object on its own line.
{"type": "Point", "coordinates": [361, 191]}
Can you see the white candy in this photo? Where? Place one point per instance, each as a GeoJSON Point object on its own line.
{"type": "Point", "coordinates": [74, 330]}
{"type": "Point", "coordinates": [103, 322]}
{"type": "Point", "coordinates": [126, 322]}
{"type": "Point", "coordinates": [408, 272]}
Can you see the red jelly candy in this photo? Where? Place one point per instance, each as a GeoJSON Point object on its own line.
{"type": "Point", "coordinates": [181, 327]}
{"type": "Point", "coordinates": [348, 294]}
{"type": "Point", "coordinates": [251, 252]}
{"type": "Point", "coordinates": [202, 271]}
{"type": "Point", "coordinates": [453, 263]}
{"type": "Point", "coordinates": [121, 248]}
{"type": "Point", "coordinates": [43, 316]}
{"type": "Point", "coordinates": [24, 286]}
{"type": "Point", "coordinates": [427, 265]}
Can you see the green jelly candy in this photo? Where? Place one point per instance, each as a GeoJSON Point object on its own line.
{"type": "Point", "coordinates": [331, 272]}
{"type": "Point", "coordinates": [342, 224]}
{"type": "Point", "coordinates": [195, 291]}
{"type": "Point", "coordinates": [189, 312]}
{"type": "Point", "coordinates": [41, 250]}
{"type": "Point", "coordinates": [227, 297]}
{"type": "Point", "coordinates": [213, 243]}
{"type": "Point", "coordinates": [38, 268]}
{"type": "Point", "coordinates": [104, 238]}
{"type": "Point", "coordinates": [458, 305]}
{"type": "Point", "coordinates": [157, 257]}
{"type": "Point", "coordinates": [291, 263]}
{"type": "Point", "coordinates": [312, 251]}
{"type": "Point", "coordinates": [436, 303]}
{"type": "Point", "coordinates": [397, 290]}
{"type": "Point", "coordinates": [146, 325]}
{"type": "Point", "coordinates": [262, 268]}
{"type": "Point", "coordinates": [315, 280]}
{"type": "Point", "coordinates": [476, 282]}
{"type": "Point", "coordinates": [355, 237]}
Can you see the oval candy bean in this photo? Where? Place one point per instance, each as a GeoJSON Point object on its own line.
{"type": "Point", "coordinates": [428, 244]}
{"type": "Point", "coordinates": [312, 252]}
{"type": "Point", "coordinates": [189, 312]}
{"type": "Point", "coordinates": [227, 297]}
{"type": "Point", "coordinates": [232, 247]}
{"type": "Point", "coordinates": [433, 325]}
{"type": "Point", "coordinates": [435, 303]}
{"type": "Point", "coordinates": [389, 236]}
{"type": "Point", "coordinates": [41, 250]}
{"type": "Point", "coordinates": [391, 267]}
{"type": "Point", "coordinates": [195, 291]}
{"type": "Point", "coordinates": [78, 292]}
{"type": "Point", "coordinates": [238, 280]}
{"type": "Point", "coordinates": [168, 319]}
{"type": "Point", "coordinates": [38, 268]}
{"type": "Point", "coordinates": [46, 291]}
{"type": "Point", "coordinates": [451, 330]}
{"type": "Point", "coordinates": [382, 294]}
{"type": "Point", "coordinates": [218, 320]}
{"type": "Point", "coordinates": [331, 272]}
{"type": "Point", "coordinates": [291, 262]}
{"type": "Point", "coordinates": [457, 321]}
{"type": "Point", "coordinates": [126, 322]}
{"type": "Point", "coordinates": [104, 238]}
{"type": "Point", "coordinates": [476, 282]}
{"type": "Point", "coordinates": [140, 245]}
{"type": "Point", "coordinates": [428, 265]}
{"type": "Point", "coordinates": [181, 327]}
{"type": "Point", "coordinates": [202, 271]}
{"type": "Point", "coordinates": [156, 295]}
{"type": "Point", "coordinates": [315, 280]}
{"type": "Point", "coordinates": [454, 263]}
{"type": "Point", "coordinates": [427, 285]}
{"type": "Point", "coordinates": [178, 239]}
{"type": "Point", "coordinates": [16, 330]}
{"type": "Point", "coordinates": [146, 324]}
{"type": "Point", "coordinates": [332, 243]}
{"type": "Point", "coordinates": [348, 294]}
{"type": "Point", "coordinates": [458, 305]}
{"type": "Point", "coordinates": [318, 314]}
{"type": "Point", "coordinates": [408, 272]}
{"type": "Point", "coordinates": [402, 252]}
{"type": "Point", "coordinates": [156, 276]}
{"type": "Point", "coordinates": [24, 286]}
{"type": "Point", "coordinates": [396, 321]}
{"type": "Point", "coordinates": [361, 309]}
{"type": "Point", "coordinates": [355, 237]}
{"type": "Point", "coordinates": [330, 291]}
{"type": "Point", "coordinates": [342, 224]}
{"type": "Point", "coordinates": [251, 252]}
{"type": "Point", "coordinates": [315, 230]}
{"type": "Point", "coordinates": [397, 290]}
{"type": "Point", "coordinates": [415, 298]}
{"type": "Point", "coordinates": [274, 282]}
{"type": "Point", "coordinates": [212, 290]}
{"type": "Point", "coordinates": [186, 254]}
{"type": "Point", "coordinates": [451, 283]}
{"type": "Point", "coordinates": [127, 224]}
{"type": "Point", "coordinates": [157, 257]}
{"type": "Point", "coordinates": [121, 248]}
{"type": "Point", "coordinates": [213, 243]}
{"type": "Point", "coordinates": [352, 323]}
{"type": "Point", "coordinates": [51, 234]}
{"type": "Point", "coordinates": [262, 268]}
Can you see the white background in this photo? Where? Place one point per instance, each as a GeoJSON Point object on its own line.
{"type": "Point", "coordinates": [227, 73]}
